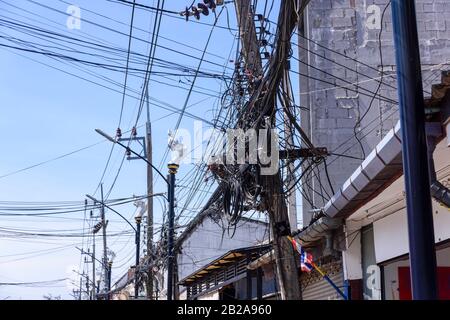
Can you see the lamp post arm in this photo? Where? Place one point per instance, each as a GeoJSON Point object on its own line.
{"type": "Point", "coordinates": [113, 210]}
{"type": "Point", "coordinates": [141, 157]}
{"type": "Point", "coordinates": [132, 151]}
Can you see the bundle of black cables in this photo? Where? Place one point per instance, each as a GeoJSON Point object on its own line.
{"type": "Point", "coordinates": [233, 201]}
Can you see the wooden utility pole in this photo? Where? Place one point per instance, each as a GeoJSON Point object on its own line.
{"type": "Point", "coordinates": [149, 156]}
{"type": "Point", "coordinates": [275, 204]}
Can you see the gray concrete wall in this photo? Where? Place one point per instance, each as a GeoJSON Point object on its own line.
{"type": "Point", "coordinates": [352, 29]}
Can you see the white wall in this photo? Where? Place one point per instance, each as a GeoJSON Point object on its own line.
{"type": "Point", "coordinates": [391, 272]}
{"type": "Point", "coordinates": [391, 232]}
{"type": "Point", "coordinates": [214, 295]}
{"type": "Point", "coordinates": [351, 257]}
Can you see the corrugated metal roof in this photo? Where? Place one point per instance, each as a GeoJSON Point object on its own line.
{"type": "Point", "coordinates": [229, 257]}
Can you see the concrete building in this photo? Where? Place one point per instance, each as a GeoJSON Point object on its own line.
{"type": "Point", "coordinates": [230, 277]}
{"type": "Point", "coordinates": [363, 230]}
{"type": "Point", "coordinates": [376, 245]}
{"type": "Point", "coordinates": [339, 48]}
{"type": "Point", "coordinates": [206, 239]}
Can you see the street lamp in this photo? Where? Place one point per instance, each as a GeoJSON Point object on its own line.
{"type": "Point", "coordinates": [138, 217]}
{"type": "Point", "coordinates": [137, 230]}
{"type": "Point", "coordinates": [128, 149]}
{"type": "Point", "coordinates": [170, 181]}
{"type": "Point", "coordinates": [109, 265]}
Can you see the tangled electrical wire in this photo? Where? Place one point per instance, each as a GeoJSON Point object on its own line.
{"type": "Point", "coordinates": [254, 94]}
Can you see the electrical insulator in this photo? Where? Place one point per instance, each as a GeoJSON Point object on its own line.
{"type": "Point", "coordinates": [186, 13]}
{"type": "Point", "coordinates": [196, 12]}
{"type": "Point", "coordinates": [128, 152]}
{"type": "Point", "coordinates": [266, 55]}
{"type": "Point", "coordinates": [263, 42]}
{"type": "Point", "coordinates": [211, 4]}
{"type": "Point", "coordinates": [118, 133]}
{"type": "Point", "coordinates": [203, 8]}
{"type": "Point", "coordinates": [134, 132]}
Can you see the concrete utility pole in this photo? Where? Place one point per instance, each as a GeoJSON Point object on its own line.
{"type": "Point", "coordinates": [290, 178]}
{"type": "Point", "coordinates": [306, 112]}
{"type": "Point", "coordinates": [287, 275]}
{"type": "Point", "coordinates": [149, 283]}
{"type": "Point", "coordinates": [247, 31]}
{"type": "Point", "coordinates": [422, 252]}
{"type": "Point", "coordinates": [105, 248]}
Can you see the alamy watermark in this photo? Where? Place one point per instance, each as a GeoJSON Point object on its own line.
{"type": "Point", "coordinates": [74, 19]}
{"type": "Point", "coordinates": [232, 147]}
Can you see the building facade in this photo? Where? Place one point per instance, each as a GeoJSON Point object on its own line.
{"type": "Point", "coordinates": [348, 88]}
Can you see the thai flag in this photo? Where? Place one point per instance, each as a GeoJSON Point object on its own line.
{"type": "Point", "coordinates": [306, 259]}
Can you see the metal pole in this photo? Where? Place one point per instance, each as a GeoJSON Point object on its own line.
{"type": "Point", "coordinates": [81, 286]}
{"type": "Point", "coordinates": [87, 287]}
{"type": "Point", "coordinates": [105, 248]}
{"type": "Point", "coordinates": [109, 278]}
{"type": "Point", "coordinates": [93, 267]}
{"type": "Point", "coordinates": [149, 284]}
{"type": "Point", "coordinates": [415, 164]}
{"type": "Point", "coordinates": [138, 241]}
{"type": "Point", "coordinates": [173, 168]}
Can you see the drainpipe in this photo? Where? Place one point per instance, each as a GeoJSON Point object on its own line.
{"type": "Point", "coordinates": [438, 190]}
{"type": "Point", "coordinates": [328, 250]}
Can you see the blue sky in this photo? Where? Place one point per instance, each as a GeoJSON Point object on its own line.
{"type": "Point", "coordinates": [46, 113]}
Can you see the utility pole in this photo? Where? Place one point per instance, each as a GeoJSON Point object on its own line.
{"type": "Point", "coordinates": [149, 283]}
{"type": "Point", "coordinates": [422, 252]}
{"type": "Point", "coordinates": [105, 248]}
{"type": "Point", "coordinates": [173, 168]}
{"type": "Point", "coordinates": [306, 112]}
{"type": "Point", "coordinates": [286, 268]}
{"type": "Point", "coordinates": [247, 31]}
{"type": "Point", "coordinates": [290, 177]}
